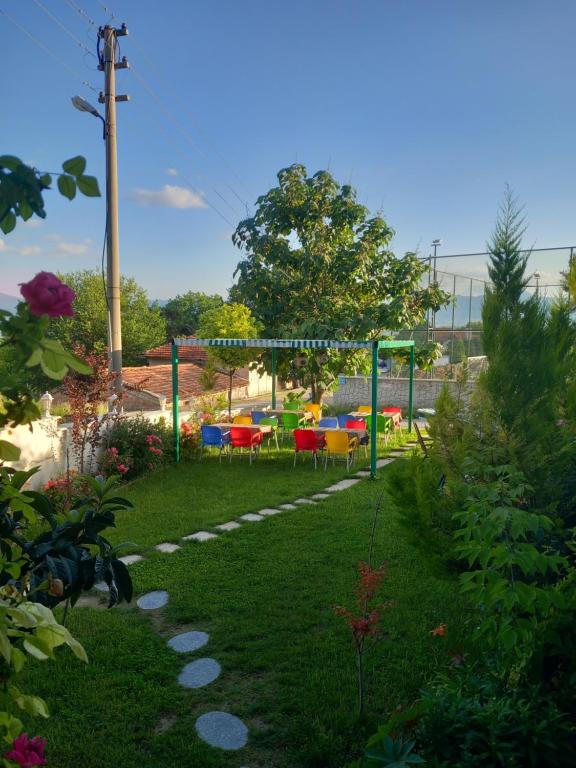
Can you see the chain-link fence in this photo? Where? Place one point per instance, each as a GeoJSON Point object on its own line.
{"type": "Point", "coordinates": [458, 326]}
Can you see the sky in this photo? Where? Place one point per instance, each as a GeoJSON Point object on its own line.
{"type": "Point", "coordinates": [427, 108]}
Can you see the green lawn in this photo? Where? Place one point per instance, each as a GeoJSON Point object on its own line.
{"type": "Point", "coordinates": [265, 594]}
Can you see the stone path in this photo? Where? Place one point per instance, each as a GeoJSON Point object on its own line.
{"type": "Point", "coordinates": [218, 729]}
{"type": "Point", "coordinates": [168, 547]}
{"type": "Point", "coordinates": [221, 729]}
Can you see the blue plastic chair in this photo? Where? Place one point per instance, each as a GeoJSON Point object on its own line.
{"type": "Point", "coordinates": [214, 437]}
{"type": "Point", "coordinates": [343, 418]}
{"type": "Point", "coordinates": [329, 421]}
{"type": "Point", "coordinates": [257, 416]}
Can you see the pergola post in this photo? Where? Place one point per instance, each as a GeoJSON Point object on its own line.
{"type": "Point", "coordinates": [274, 362]}
{"type": "Point", "coordinates": [411, 390]}
{"type": "Point", "coordinates": [175, 404]}
{"type": "Point", "coordinates": [374, 422]}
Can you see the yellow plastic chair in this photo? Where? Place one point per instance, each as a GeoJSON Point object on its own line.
{"type": "Point", "coordinates": [315, 409]}
{"type": "Point", "coordinates": [242, 420]}
{"type": "Point", "coordinates": [364, 409]}
{"type": "Point", "coordinates": [340, 445]}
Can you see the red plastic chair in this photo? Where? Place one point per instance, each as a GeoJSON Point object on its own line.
{"type": "Point", "coordinates": [355, 424]}
{"type": "Point", "coordinates": [359, 424]}
{"type": "Point", "coordinates": [242, 437]}
{"type": "Point", "coordinates": [308, 440]}
{"type": "Point", "coordinates": [396, 414]}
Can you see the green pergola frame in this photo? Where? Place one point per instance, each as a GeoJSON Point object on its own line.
{"type": "Point", "coordinates": [275, 345]}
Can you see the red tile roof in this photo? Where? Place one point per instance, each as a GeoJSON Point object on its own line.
{"type": "Point", "coordinates": [158, 379]}
{"type": "Point", "coordinates": [164, 352]}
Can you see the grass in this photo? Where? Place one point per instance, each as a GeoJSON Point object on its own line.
{"type": "Point", "coordinates": [265, 593]}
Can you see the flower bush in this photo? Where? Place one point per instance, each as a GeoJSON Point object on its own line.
{"type": "Point", "coordinates": [27, 752]}
{"type": "Point", "coordinates": [65, 491]}
{"type": "Point", "coordinates": [135, 446]}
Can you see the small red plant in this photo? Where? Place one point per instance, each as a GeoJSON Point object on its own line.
{"type": "Point", "coordinates": [27, 752]}
{"type": "Point", "coordinates": [364, 622]}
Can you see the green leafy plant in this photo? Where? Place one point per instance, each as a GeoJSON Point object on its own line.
{"type": "Point", "coordinates": [393, 753]}
{"type": "Point", "coordinates": [22, 188]}
{"type": "Point", "coordinates": [133, 446]}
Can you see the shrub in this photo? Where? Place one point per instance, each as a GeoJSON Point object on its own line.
{"type": "Point", "coordinates": [469, 721]}
{"type": "Point", "coordinates": [134, 446]}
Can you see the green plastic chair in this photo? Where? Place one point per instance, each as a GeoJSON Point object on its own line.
{"type": "Point", "coordinates": [290, 422]}
{"type": "Point", "coordinates": [292, 406]}
{"type": "Point", "coordinates": [383, 426]}
{"type": "Point", "coordinates": [271, 421]}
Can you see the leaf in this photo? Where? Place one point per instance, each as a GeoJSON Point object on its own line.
{"type": "Point", "coordinates": [8, 223]}
{"type": "Point", "coordinates": [37, 649]}
{"type": "Point", "coordinates": [78, 365]}
{"type": "Point", "coordinates": [88, 185]}
{"type": "Point", "coordinates": [76, 165]}
{"type": "Point", "coordinates": [53, 365]}
{"type": "Point", "coordinates": [5, 647]}
{"type": "Point", "coordinates": [67, 186]}
{"type": "Point", "coordinates": [45, 180]}
{"type": "Point", "coordinates": [34, 358]}
{"type": "Point", "coordinates": [10, 161]}
{"type": "Point", "coordinates": [8, 451]}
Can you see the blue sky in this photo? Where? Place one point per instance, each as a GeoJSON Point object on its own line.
{"type": "Point", "coordinates": [427, 108]}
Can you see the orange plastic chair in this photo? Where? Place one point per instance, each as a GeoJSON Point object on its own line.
{"type": "Point", "coordinates": [308, 440]}
{"type": "Point", "coordinates": [242, 420]}
{"type": "Point", "coordinates": [315, 409]}
{"type": "Point", "coordinates": [365, 408]}
{"type": "Point", "coordinates": [340, 445]}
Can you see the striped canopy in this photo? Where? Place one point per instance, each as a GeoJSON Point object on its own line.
{"type": "Point", "coordinates": [292, 343]}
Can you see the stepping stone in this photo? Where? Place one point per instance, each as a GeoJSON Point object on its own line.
{"type": "Point", "coordinates": [251, 517]}
{"type": "Point", "coordinates": [199, 673]}
{"type": "Point", "coordinates": [363, 473]}
{"type": "Point", "coordinates": [396, 454]}
{"type": "Point", "coordinates": [304, 501]}
{"type": "Point", "coordinates": [186, 642]}
{"type": "Point", "coordinates": [383, 462]}
{"type": "Point", "coordinates": [287, 506]}
{"type": "Point", "coordinates": [101, 586]}
{"type": "Point", "coordinates": [200, 536]}
{"type": "Point", "coordinates": [219, 729]}
{"type": "Point", "coordinates": [231, 526]}
{"type": "Point", "coordinates": [131, 559]}
{"type": "Point", "coordinates": [270, 512]}
{"type": "Point", "coordinates": [151, 601]}
{"type": "Point", "coordinates": [342, 485]}
{"type": "Point", "coordinates": [167, 547]}
{"type": "Point", "coordinates": [320, 496]}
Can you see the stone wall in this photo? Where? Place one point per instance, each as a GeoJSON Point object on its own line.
{"type": "Point", "coordinates": [357, 390]}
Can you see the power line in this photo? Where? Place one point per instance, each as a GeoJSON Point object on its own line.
{"type": "Point", "coordinates": [64, 28]}
{"type": "Point", "coordinates": [180, 128]}
{"type": "Point", "coordinates": [197, 127]}
{"type": "Point", "coordinates": [82, 12]}
{"type": "Point", "coordinates": [47, 50]}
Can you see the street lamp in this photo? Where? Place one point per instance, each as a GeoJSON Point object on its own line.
{"type": "Point", "coordinates": [84, 106]}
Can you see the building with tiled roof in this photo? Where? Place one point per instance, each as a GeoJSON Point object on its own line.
{"type": "Point", "coordinates": [146, 385]}
{"type": "Point", "coordinates": [163, 354]}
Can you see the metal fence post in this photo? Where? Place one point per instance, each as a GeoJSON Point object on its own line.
{"type": "Point", "coordinates": [175, 404]}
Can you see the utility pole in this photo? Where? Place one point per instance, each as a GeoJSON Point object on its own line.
{"type": "Point", "coordinates": [108, 97]}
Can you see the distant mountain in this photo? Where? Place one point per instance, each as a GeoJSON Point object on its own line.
{"type": "Point", "coordinates": [8, 302]}
{"type": "Point", "coordinates": [464, 310]}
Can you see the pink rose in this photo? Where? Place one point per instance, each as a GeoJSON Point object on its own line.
{"type": "Point", "coordinates": [26, 752]}
{"type": "Point", "coordinates": [46, 295]}
{"type": "Point", "coordinates": [122, 468]}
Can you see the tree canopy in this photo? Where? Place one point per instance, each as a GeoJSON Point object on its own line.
{"type": "Point", "coordinates": [316, 265]}
{"type": "Point", "coordinates": [182, 313]}
{"type": "Point", "coordinates": [507, 265]}
{"type": "Point", "coordinates": [142, 325]}
{"type": "Point", "coordinates": [230, 321]}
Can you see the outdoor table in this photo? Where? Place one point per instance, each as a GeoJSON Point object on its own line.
{"type": "Point", "coordinates": [264, 428]}
{"type": "Point", "coordinates": [306, 415]}
{"type": "Point", "coordinates": [395, 416]}
{"type": "Point", "coordinates": [359, 433]}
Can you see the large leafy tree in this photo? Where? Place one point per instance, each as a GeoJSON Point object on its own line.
{"type": "Point", "coordinates": [142, 325]}
{"type": "Point", "coordinates": [230, 321]}
{"type": "Point", "coordinates": [316, 265]}
{"type": "Point", "coordinates": [182, 313]}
